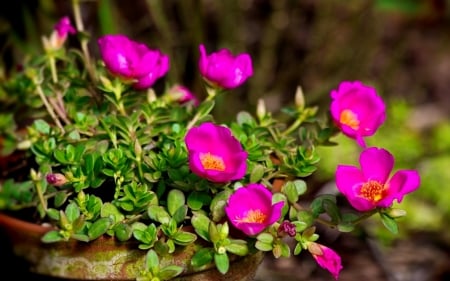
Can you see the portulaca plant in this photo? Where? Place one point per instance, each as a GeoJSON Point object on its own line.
{"type": "Point", "coordinates": [114, 157]}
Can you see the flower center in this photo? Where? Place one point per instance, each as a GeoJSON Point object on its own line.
{"type": "Point", "coordinates": [373, 191]}
{"type": "Point", "coordinates": [212, 162]}
{"type": "Point", "coordinates": [253, 216]}
{"type": "Point", "coordinates": [349, 118]}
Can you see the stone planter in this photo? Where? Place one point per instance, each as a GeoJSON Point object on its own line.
{"type": "Point", "coordinates": [106, 258]}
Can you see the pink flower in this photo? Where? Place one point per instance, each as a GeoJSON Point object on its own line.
{"type": "Point", "coordinates": [370, 186]}
{"type": "Point", "coordinates": [326, 258]}
{"type": "Point", "coordinates": [133, 60]}
{"type": "Point", "coordinates": [64, 27]}
{"type": "Point", "coordinates": [59, 35]}
{"type": "Point", "coordinates": [182, 94]}
{"type": "Point", "coordinates": [223, 69]}
{"type": "Point", "coordinates": [357, 110]}
{"type": "Point", "coordinates": [215, 154]}
{"type": "Point", "coordinates": [250, 209]}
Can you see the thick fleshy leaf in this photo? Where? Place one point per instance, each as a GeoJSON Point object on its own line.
{"type": "Point", "coordinates": [222, 262]}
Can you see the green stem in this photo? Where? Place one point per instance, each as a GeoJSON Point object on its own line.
{"type": "Point", "coordinates": [38, 184]}
{"type": "Point", "coordinates": [298, 207]}
{"type": "Point", "coordinates": [52, 62]}
{"type": "Point", "coordinates": [296, 124]}
{"type": "Point", "coordinates": [364, 216]}
{"type": "Point", "coordinates": [121, 108]}
{"type": "Point", "coordinates": [48, 106]}
{"type": "Point", "coordinates": [212, 92]}
{"type": "Point", "coordinates": [193, 121]}
{"type": "Point", "coordinates": [84, 42]}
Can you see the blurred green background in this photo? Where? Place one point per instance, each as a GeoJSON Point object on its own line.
{"type": "Point", "coordinates": [401, 47]}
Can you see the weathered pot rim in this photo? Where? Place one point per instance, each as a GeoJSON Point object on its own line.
{"type": "Point", "coordinates": [11, 221]}
{"type": "Point", "coordinates": [18, 228]}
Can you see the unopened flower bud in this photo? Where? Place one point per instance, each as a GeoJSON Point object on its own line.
{"type": "Point", "coordinates": [221, 250]}
{"type": "Point", "coordinates": [299, 98]}
{"type": "Point", "coordinates": [56, 179]}
{"type": "Point", "coordinates": [261, 108]}
{"type": "Point", "coordinates": [287, 227]}
{"type": "Point", "coordinates": [151, 95]}
{"type": "Point", "coordinates": [182, 94]}
{"type": "Point", "coordinates": [315, 249]}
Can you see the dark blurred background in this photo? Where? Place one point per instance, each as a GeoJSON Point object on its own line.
{"type": "Point", "coordinates": [401, 47]}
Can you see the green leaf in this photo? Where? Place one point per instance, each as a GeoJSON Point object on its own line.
{"type": "Point", "coordinates": [170, 272]}
{"type": "Point", "coordinates": [152, 261]}
{"type": "Point", "coordinates": [42, 126]}
{"type": "Point", "coordinates": [184, 238]}
{"type": "Point", "coordinates": [196, 200]}
{"type": "Point", "coordinates": [290, 190]}
{"type": "Point", "coordinates": [300, 225]}
{"type": "Point", "coordinates": [180, 214]}
{"type": "Point", "coordinates": [263, 246]}
{"type": "Point", "coordinates": [72, 212]}
{"type": "Point", "coordinates": [223, 230]}
{"type": "Point", "coordinates": [123, 231]}
{"type": "Point", "coordinates": [60, 155]}
{"type": "Point", "coordinates": [99, 227]}
{"type": "Point", "coordinates": [218, 203]}
{"type": "Point", "coordinates": [285, 250]}
{"type": "Point", "coordinates": [175, 199]}
{"type": "Point", "coordinates": [213, 232]}
{"type": "Point", "coordinates": [60, 198]}
{"type": "Point", "coordinates": [80, 237]}
{"type": "Point", "coordinates": [147, 235]}
{"type": "Point", "coordinates": [244, 117]}
{"type": "Point", "coordinates": [110, 210]}
{"type": "Point", "coordinates": [298, 249]}
{"type": "Point", "coordinates": [389, 223]}
{"type": "Point", "coordinates": [237, 247]}
{"type": "Point", "coordinates": [201, 222]}
{"type": "Point", "coordinates": [158, 213]}
{"type": "Point", "coordinates": [257, 173]}
{"type": "Point", "coordinates": [318, 204]}
{"type": "Point", "coordinates": [52, 236]}
{"type": "Point", "coordinates": [53, 214]}
{"type": "Point", "coordinates": [222, 262]}
{"type": "Point", "coordinates": [332, 210]}
{"type": "Point", "coordinates": [301, 187]}
{"type": "Point", "coordinates": [202, 257]}
{"type": "Point", "coordinates": [205, 108]}
{"type": "Point", "coordinates": [265, 237]}
{"type": "Point", "coordinates": [345, 227]}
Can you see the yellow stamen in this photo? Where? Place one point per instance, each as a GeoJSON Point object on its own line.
{"type": "Point", "coordinates": [350, 119]}
{"type": "Point", "coordinates": [253, 216]}
{"type": "Point", "coordinates": [212, 162]}
{"type": "Point", "coordinates": [373, 191]}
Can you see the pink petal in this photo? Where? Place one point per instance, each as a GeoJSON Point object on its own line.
{"type": "Point", "coordinates": [376, 164]}
{"type": "Point", "coordinates": [402, 183]}
{"type": "Point", "coordinates": [348, 179]}
{"type": "Point", "coordinates": [329, 260]}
